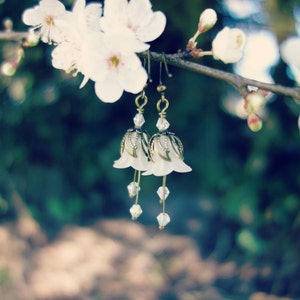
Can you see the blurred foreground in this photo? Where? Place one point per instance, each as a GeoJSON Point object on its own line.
{"type": "Point", "coordinates": [120, 260]}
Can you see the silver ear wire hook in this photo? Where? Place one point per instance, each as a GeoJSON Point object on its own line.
{"type": "Point", "coordinates": [166, 66]}
{"type": "Point", "coordinates": [166, 69]}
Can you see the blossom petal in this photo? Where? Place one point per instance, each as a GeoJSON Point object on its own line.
{"type": "Point", "coordinates": [55, 6]}
{"type": "Point", "coordinates": [108, 90]}
{"type": "Point", "coordinates": [78, 7]}
{"type": "Point", "coordinates": [133, 81]}
{"type": "Point", "coordinates": [92, 57]}
{"type": "Point", "coordinates": [290, 50]}
{"type": "Point", "coordinates": [32, 17]}
{"type": "Point", "coordinates": [154, 29]}
{"type": "Point", "coordinates": [114, 12]}
{"type": "Point", "coordinates": [93, 13]}
{"type": "Point", "coordinates": [228, 45]}
{"type": "Point", "coordinates": [139, 11]}
{"type": "Point", "coordinates": [132, 60]}
{"type": "Point", "coordinates": [63, 56]}
{"type": "Point", "coordinates": [124, 40]}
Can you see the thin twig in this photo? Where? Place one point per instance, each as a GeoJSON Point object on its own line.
{"type": "Point", "coordinates": [178, 60]}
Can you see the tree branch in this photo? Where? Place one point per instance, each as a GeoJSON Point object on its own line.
{"type": "Point", "coordinates": [178, 60]}
{"type": "Point", "coordinates": [239, 82]}
{"type": "Point", "coordinates": [13, 35]}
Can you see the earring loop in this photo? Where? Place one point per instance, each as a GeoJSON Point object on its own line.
{"type": "Point", "coordinates": [140, 106]}
{"type": "Point", "coordinates": [162, 100]}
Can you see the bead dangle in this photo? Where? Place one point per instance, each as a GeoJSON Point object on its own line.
{"type": "Point", "coordinates": [134, 153]}
{"type": "Point", "coordinates": [166, 155]}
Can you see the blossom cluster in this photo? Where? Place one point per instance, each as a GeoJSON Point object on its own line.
{"type": "Point", "coordinates": [228, 44]}
{"type": "Point", "coordinates": [99, 42]}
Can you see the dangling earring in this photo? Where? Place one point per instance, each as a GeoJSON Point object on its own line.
{"type": "Point", "coordinates": [134, 153]}
{"type": "Point", "coordinates": [166, 154]}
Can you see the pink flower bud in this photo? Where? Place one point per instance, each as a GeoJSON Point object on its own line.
{"type": "Point", "coordinates": [207, 20]}
{"type": "Point", "coordinates": [8, 24]}
{"type": "Point", "coordinates": [9, 68]}
{"type": "Point", "coordinates": [254, 122]}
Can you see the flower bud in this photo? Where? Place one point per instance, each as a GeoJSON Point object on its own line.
{"type": "Point", "coordinates": [207, 20]}
{"type": "Point", "coordinates": [8, 24]}
{"type": "Point", "coordinates": [254, 122]}
{"type": "Point", "coordinates": [9, 68]}
{"type": "Point", "coordinates": [254, 102]}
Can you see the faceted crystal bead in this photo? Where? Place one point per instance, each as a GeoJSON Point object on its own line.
{"type": "Point", "coordinates": [132, 189]}
{"type": "Point", "coordinates": [163, 219]}
{"type": "Point", "coordinates": [138, 120]}
{"type": "Point", "coordinates": [135, 211]}
{"type": "Point", "coordinates": [162, 124]}
{"type": "Point", "coordinates": [163, 192]}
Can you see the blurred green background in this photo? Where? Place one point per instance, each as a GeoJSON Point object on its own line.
{"type": "Point", "coordinates": [58, 144]}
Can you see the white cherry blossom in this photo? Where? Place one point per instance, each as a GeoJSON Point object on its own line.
{"type": "Point", "coordinates": [77, 52]}
{"type": "Point", "coordinates": [117, 69]}
{"type": "Point", "coordinates": [137, 16]}
{"type": "Point", "coordinates": [43, 19]}
{"type": "Point", "coordinates": [102, 48]}
{"type": "Point", "coordinates": [290, 50]}
{"type": "Point", "coordinates": [228, 45]}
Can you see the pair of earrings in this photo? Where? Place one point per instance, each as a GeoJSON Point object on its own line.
{"type": "Point", "coordinates": [159, 155]}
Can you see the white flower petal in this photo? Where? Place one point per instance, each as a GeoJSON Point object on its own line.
{"type": "Point", "coordinates": [79, 7]}
{"type": "Point", "coordinates": [108, 90]}
{"type": "Point", "coordinates": [93, 64]}
{"type": "Point", "coordinates": [228, 45]}
{"type": "Point", "coordinates": [124, 40]}
{"type": "Point", "coordinates": [63, 56]}
{"type": "Point", "coordinates": [32, 17]}
{"type": "Point", "coordinates": [114, 12]}
{"type": "Point", "coordinates": [136, 16]}
{"type": "Point", "coordinates": [131, 60]}
{"type": "Point", "coordinates": [55, 6]}
{"type": "Point", "coordinates": [133, 81]}
{"type": "Point", "coordinates": [290, 50]}
{"type": "Point", "coordinates": [93, 13]}
{"type": "Point", "coordinates": [139, 12]}
{"type": "Point", "coordinates": [154, 29]}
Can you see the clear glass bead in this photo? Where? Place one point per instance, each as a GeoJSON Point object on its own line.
{"type": "Point", "coordinates": [162, 124]}
{"type": "Point", "coordinates": [135, 211]}
{"type": "Point", "coordinates": [163, 219]}
{"type": "Point", "coordinates": [133, 188]}
{"type": "Point", "coordinates": [163, 192]}
{"type": "Point", "coordinates": [138, 120]}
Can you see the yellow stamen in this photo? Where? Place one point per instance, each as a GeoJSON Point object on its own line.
{"type": "Point", "coordinates": [114, 61]}
{"type": "Point", "coordinates": [239, 40]}
{"type": "Point", "coordinates": [50, 21]}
